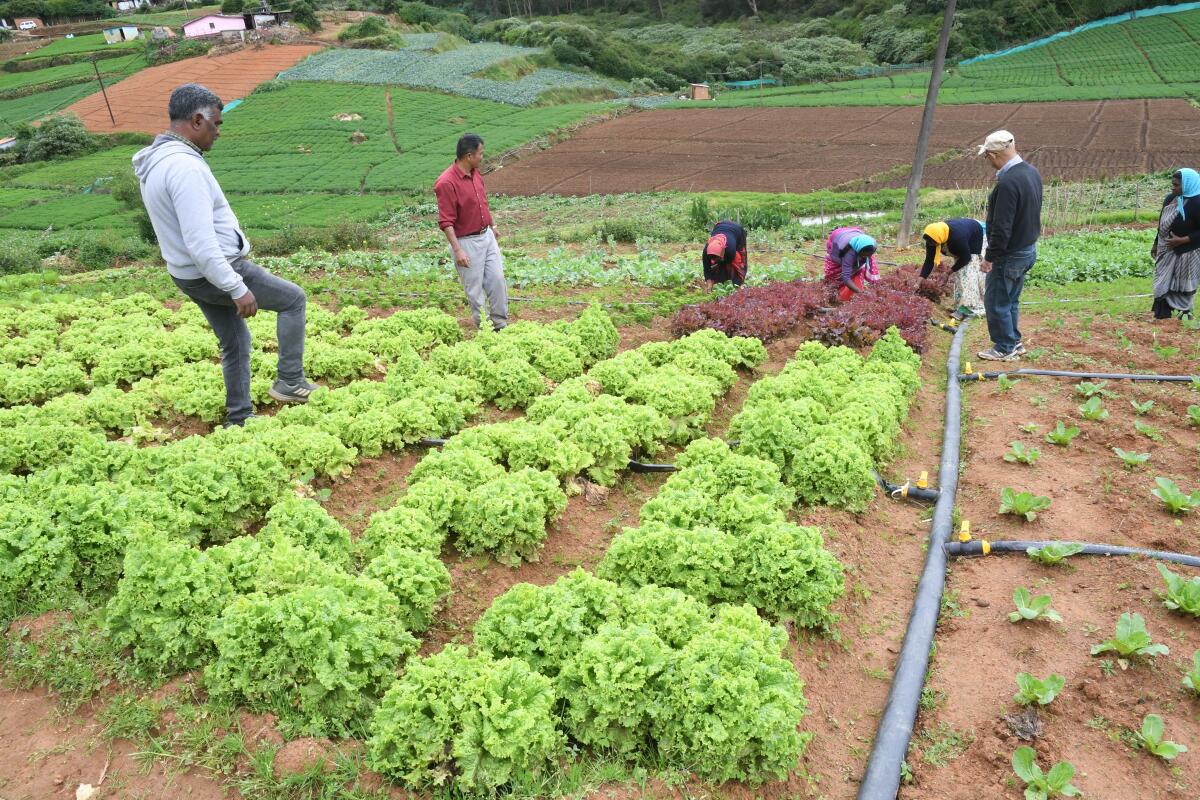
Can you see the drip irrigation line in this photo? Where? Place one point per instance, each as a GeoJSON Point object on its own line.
{"type": "Point", "coordinates": [907, 489]}
{"type": "Point", "coordinates": [1054, 373]}
{"type": "Point", "coordinates": [881, 780]}
{"type": "Point", "coordinates": [982, 547]}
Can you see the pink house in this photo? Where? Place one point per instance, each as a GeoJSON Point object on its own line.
{"type": "Point", "coordinates": [213, 25]}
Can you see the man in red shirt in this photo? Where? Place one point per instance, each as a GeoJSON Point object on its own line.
{"type": "Point", "coordinates": [464, 217]}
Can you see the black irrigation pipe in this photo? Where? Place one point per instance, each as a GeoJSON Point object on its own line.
{"type": "Point", "coordinates": [1113, 376]}
{"type": "Point", "coordinates": [982, 547]}
{"type": "Point", "coordinates": [906, 489]}
{"type": "Point", "coordinates": [881, 780]}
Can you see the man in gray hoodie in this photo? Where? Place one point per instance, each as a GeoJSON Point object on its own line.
{"type": "Point", "coordinates": [207, 253]}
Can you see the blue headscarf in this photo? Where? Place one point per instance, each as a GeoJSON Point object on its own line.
{"type": "Point", "coordinates": [1191, 187]}
{"type": "Point", "coordinates": [861, 241]}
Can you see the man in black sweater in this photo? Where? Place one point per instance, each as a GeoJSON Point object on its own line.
{"type": "Point", "coordinates": [1014, 222]}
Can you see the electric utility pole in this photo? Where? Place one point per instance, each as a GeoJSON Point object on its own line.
{"type": "Point", "coordinates": [918, 167]}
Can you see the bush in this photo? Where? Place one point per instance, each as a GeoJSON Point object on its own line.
{"type": "Point", "coordinates": [126, 190]}
{"type": "Point", "coordinates": [344, 235]}
{"type": "Point", "coordinates": [304, 14]}
{"type": "Point", "coordinates": [368, 28]}
{"type": "Point", "coordinates": [59, 136]}
{"type": "Point", "coordinates": [232, 6]}
{"type": "Point", "coordinates": [17, 257]}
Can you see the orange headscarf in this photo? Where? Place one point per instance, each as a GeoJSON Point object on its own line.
{"type": "Point", "coordinates": [716, 246]}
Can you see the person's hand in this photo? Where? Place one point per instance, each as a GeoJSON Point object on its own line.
{"type": "Point", "coordinates": [1177, 241]}
{"type": "Point", "coordinates": [985, 266]}
{"type": "Point", "coordinates": [247, 306]}
{"type": "Point", "coordinates": [460, 258]}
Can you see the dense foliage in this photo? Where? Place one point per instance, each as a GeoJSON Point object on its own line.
{"type": "Point", "coordinates": [901, 299]}
{"type": "Point", "coordinates": [653, 668]}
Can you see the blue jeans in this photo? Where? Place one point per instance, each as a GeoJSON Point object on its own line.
{"type": "Point", "coordinates": [272, 294]}
{"type": "Point", "coordinates": [1001, 294]}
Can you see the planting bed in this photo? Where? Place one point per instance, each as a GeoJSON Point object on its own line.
{"type": "Point", "coordinates": [961, 748]}
{"type": "Point", "coordinates": [743, 149]}
{"type": "Point", "coordinates": [139, 103]}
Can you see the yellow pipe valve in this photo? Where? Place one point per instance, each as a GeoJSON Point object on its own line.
{"type": "Point", "coordinates": [923, 481]}
{"type": "Point", "coordinates": [964, 532]}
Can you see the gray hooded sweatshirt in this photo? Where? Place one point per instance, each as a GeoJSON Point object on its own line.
{"type": "Point", "coordinates": [197, 231]}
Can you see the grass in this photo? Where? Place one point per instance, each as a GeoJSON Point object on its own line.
{"type": "Point", "coordinates": [80, 44]}
{"type": "Point", "coordinates": [1099, 64]}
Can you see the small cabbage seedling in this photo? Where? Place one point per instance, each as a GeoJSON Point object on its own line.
{"type": "Point", "coordinates": [1147, 430]}
{"type": "Point", "coordinates": [1191, 678]}
{"type": "Point", "coordinates": [1131, 460]}
{"type": "Point", "coordinates": [1022, 454]}
{"type": "Point", "coordinates": [1150, 738]}
{"type": "Point", "coordinates": [1182, 594]}
{"type": "Point", "coordinates": [1030, 608]}
{"type": "Point", "coordinates": [1193, 413]}
{"type": "Point", "coordinates": [1022, 504]}
{"type": "Point", "coordinates": [1166, 351]}
{"type": "Point", "coordinates": [1094, 410]}
{"type": "Point", "coordinates": [1031, 690]}
{"type": "Point", "coordinates": [1032, 427]}
{"type": "Point", "coordinates": [1039, 785]}
{"type": "Point", "coordinates": [1174, 498]}
{"type": "Point", "coordinates": [1062, 435]}
{"type": "Point", "coordinates": [1006, 383]}
{"type": "Point", "coordinates": [1089, 389]}
{"type": "Point", "coordinates": [1131, 640]}
{"type": "Point", "coordinates": [1141, 408]}
{"type": "Point", "coordinates": [1053, 553]}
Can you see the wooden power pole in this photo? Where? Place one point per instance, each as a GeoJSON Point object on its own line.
{"type": "Point", "coordinates": [918, 167]}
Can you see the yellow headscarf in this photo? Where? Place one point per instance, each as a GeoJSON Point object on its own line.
{"type": "Point", "coordinates": [938, 231]}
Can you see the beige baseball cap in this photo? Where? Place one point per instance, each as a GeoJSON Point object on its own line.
{"type": "Point", "coordinates": [999, 140]}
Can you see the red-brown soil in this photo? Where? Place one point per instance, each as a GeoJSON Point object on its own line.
{"type": "Point", "coordinates": [139, 102]}
{"type": "Point", "coordinates": [802, 149]}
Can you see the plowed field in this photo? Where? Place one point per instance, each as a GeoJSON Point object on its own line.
{"type": "Point", "coordinates": [139, 103]}
{"type": "Point", "coordinates": [802, 149]}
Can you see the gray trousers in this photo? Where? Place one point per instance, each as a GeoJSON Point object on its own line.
{"type": "Point", "coordinates": [484, 278]}
{"type": "Point", "coordinates": [272, 294]}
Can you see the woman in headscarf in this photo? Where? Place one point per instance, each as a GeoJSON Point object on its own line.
{"type": "Point", "coordinates": [1176, 248]}
{"type": "Point", "coordinates": [963, 240]}
{"type": "Point", "coordinates": [724, 257]}
{"type": "Point", "coordinates": [850, 261]}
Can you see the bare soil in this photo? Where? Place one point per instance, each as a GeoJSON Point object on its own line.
{"type": "Point", "coordinates": [740, 149]}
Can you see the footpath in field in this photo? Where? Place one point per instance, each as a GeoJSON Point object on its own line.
{"type": "Point", "coordinates": [139, 103]}
{"type": "Point", "coordinates": [802, 149]}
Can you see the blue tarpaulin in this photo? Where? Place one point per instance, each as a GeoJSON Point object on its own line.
{"type": "Point", "coordinates": [757, 83]}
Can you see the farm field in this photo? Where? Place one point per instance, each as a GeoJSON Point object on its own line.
{"type": "Point", "coordinates": [139, 102]}
{"type": "Point", "coordinates": [451, 71]}
{"type": "Point", "coordinates": [740, 149]}
{"type": "Point", "coordinates": [961, 739]}
{"type": "Point", "coordinates": [642, 542]}
{"type": "Point", "coordinates": [1150, 57]}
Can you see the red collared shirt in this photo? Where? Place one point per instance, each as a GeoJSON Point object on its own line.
{"type": "Point", "coordinates": [462, 201]}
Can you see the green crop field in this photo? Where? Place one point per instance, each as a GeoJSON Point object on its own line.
{"type": "Point", "coordinates": [90, 43]}
{"type": "Point", "coordinates": [1151, 57]}
{"type": "Point", "coordinates": [20, 110]}
{"type": "Point", "coordinates": [291, 139]}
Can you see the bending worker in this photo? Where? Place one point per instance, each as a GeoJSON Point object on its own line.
{"type": "Point", "coordinates": [724, 256]}
{"type": "Point", "coordinates": [963, 240]}
{"type": "Point", "coordinates": [850, 261]}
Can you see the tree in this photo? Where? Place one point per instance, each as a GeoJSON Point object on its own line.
{"type": "Point", "coordinates": [232, 6]}
{"type": "Point", "coordinates": [304, 14]}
